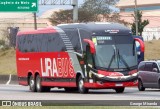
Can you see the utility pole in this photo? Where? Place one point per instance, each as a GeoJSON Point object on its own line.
{"type": "Point", "coordinates": [75, 10]}
{"type": "Point", "coordinates": [136, 18]}
{"type": "Point", "coordinates": [74, 3]}
{"type": "Point", "coordinates": [35, 21]}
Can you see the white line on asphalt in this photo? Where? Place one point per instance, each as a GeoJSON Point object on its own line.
{"type": "Point", "coordinates": [9, 80]}
{"type": "Point", "coordinates": [14, 85]}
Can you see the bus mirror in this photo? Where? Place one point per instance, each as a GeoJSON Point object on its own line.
{"type": "Point", "coordinates": [91, 44]}
{"type": "Point", "coordinates": [141, 44]}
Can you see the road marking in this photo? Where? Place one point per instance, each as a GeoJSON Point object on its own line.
{"type": "Point", "coordinates": [9, 80]}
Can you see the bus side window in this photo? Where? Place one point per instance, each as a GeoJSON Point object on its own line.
{"type": "Point", "coordinates": [89, 56]}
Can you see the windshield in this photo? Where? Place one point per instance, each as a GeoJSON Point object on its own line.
{"type": "Point", "coordinates": [158, 63]}
{"type": "Point", "coordinates": [116, 52]}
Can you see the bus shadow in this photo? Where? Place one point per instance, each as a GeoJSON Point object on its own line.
{"type": "Point", "coordinates": [108, 92]}
{"type": "Point", "coordinates": [90, 92]}
{"type": "Point", "coordinates": [152, 90]}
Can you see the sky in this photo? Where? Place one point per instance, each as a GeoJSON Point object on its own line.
{"type": "Point", "coordinates": [44, 8]}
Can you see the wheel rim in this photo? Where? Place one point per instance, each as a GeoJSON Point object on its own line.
{"type": "Point", "coordinates": [81, 83]}
{"type": "Point", "coordinates": [38, 83]}
{"type": "Point", "coordinates": [32, 83]}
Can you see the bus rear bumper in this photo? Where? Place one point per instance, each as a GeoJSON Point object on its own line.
{"type": "Point", "coordinates": [110, 85]}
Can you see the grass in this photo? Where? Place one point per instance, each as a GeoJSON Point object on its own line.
{"type": "Point", "coordinates": [152, 49]}
{"type": "Point", "coordinates": [79, 107]}
{"type": "Point", "coordinates": [8, 61]}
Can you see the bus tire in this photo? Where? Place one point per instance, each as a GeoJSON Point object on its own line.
{"type": "Point", "coordinates": [120, 90]}
{"type": "Point", "coordinates": [39, 87]}
{"type": "Point", "coordinates": [140, 86]}
{"type": "Point", "coordinates": [81, 87]}
{"type": "Point", "coordinates": [159, 83]}
{"type": "Point", "coordinates": [32, 85]}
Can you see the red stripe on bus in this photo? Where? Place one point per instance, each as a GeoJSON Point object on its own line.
{"type": "Point", "coordinates": [109, 85]}
{"type": "Point", "coordinates": [59, 84]}
{"type": "Point", "coordinates": [40, 31]}
{"type": "Point", "coordinates": [25, 83]}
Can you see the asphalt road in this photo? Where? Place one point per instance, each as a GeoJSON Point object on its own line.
{"type": "Point", "coordinates": [17, 92]}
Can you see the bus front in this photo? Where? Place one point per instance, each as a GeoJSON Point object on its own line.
{"type": "Point", "coordinates": [112, 62]}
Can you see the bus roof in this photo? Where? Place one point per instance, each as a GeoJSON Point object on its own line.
{"type": "Point", "coordinates": [98, 27]}
{"type": "Point", "coordinates": [38, 31]}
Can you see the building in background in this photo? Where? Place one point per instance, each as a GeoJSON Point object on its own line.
{"type": "Point", "coordinates": [151, 11]}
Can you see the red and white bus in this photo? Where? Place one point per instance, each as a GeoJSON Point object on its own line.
{"type": "Point", "coordinates": [78, 57]}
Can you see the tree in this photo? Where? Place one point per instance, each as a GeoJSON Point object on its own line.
{"type": "Point", "coordinates": [5, 41]}
{"type": "Point", "coordinates": [141, 23]}
{"type": "Point", "coordinates": [66, 16]}
{"type": "Point", "coordinates": [62, 16]}
{"type": "Point", "coordinates": [90, 11]}
{"type": "Point", "coordinates": [114, 17]}
{"type": "Point", "coordinates": [86, 16]}
{"type": "Point", "coordinates": [99, 6]}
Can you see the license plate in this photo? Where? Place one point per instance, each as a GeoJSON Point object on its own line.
{"type": "Point", "coordinates": [119, 84]}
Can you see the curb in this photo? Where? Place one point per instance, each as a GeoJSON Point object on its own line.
{"type": "Point", "coordinates": [8, 79]}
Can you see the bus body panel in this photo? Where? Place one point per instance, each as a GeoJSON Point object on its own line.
{"type": "Point", "coordinates": [47, 65]}
{"type": "Point", "coordinates": [110, 85]}
{"type": "Point", "coordinates": [60, 68]}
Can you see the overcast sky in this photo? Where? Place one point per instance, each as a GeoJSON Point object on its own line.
{"type": "Point", "coordinates": [44, 8]}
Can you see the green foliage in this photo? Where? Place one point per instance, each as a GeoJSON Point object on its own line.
{"type": "Point", "coordinates": [99, 6]}
{"type": "Point", "coordinates": [115, 17]}
{"type": "Point", "coordinates": [2, 42]}
{"type": "Point", "coordinates": [3, 45]}
{"type": "Point", "coordinates": [66, 16]}
{"type": "Point", "coordinates": [141, 23]}
{"type": "Point", "coordinates": [86, 16]}
{"type": "Point", "coordinates": [90, 11]}
{"type": "Point", "coordinates": [62, 16]}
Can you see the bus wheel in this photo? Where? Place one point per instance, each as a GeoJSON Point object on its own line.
{"type": "Point", "coordinates": [39, 87]}
{"type": "Point", "coordinates": [120, 90]}
{"type": "Point", "coordinates": [140, 86]}
{"type": "Point", "coordinates": [81, 87]}
{"type": "Point", "coordinates": [32, 85]}
{"type": "Point", "coordinates": [159, 84]}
